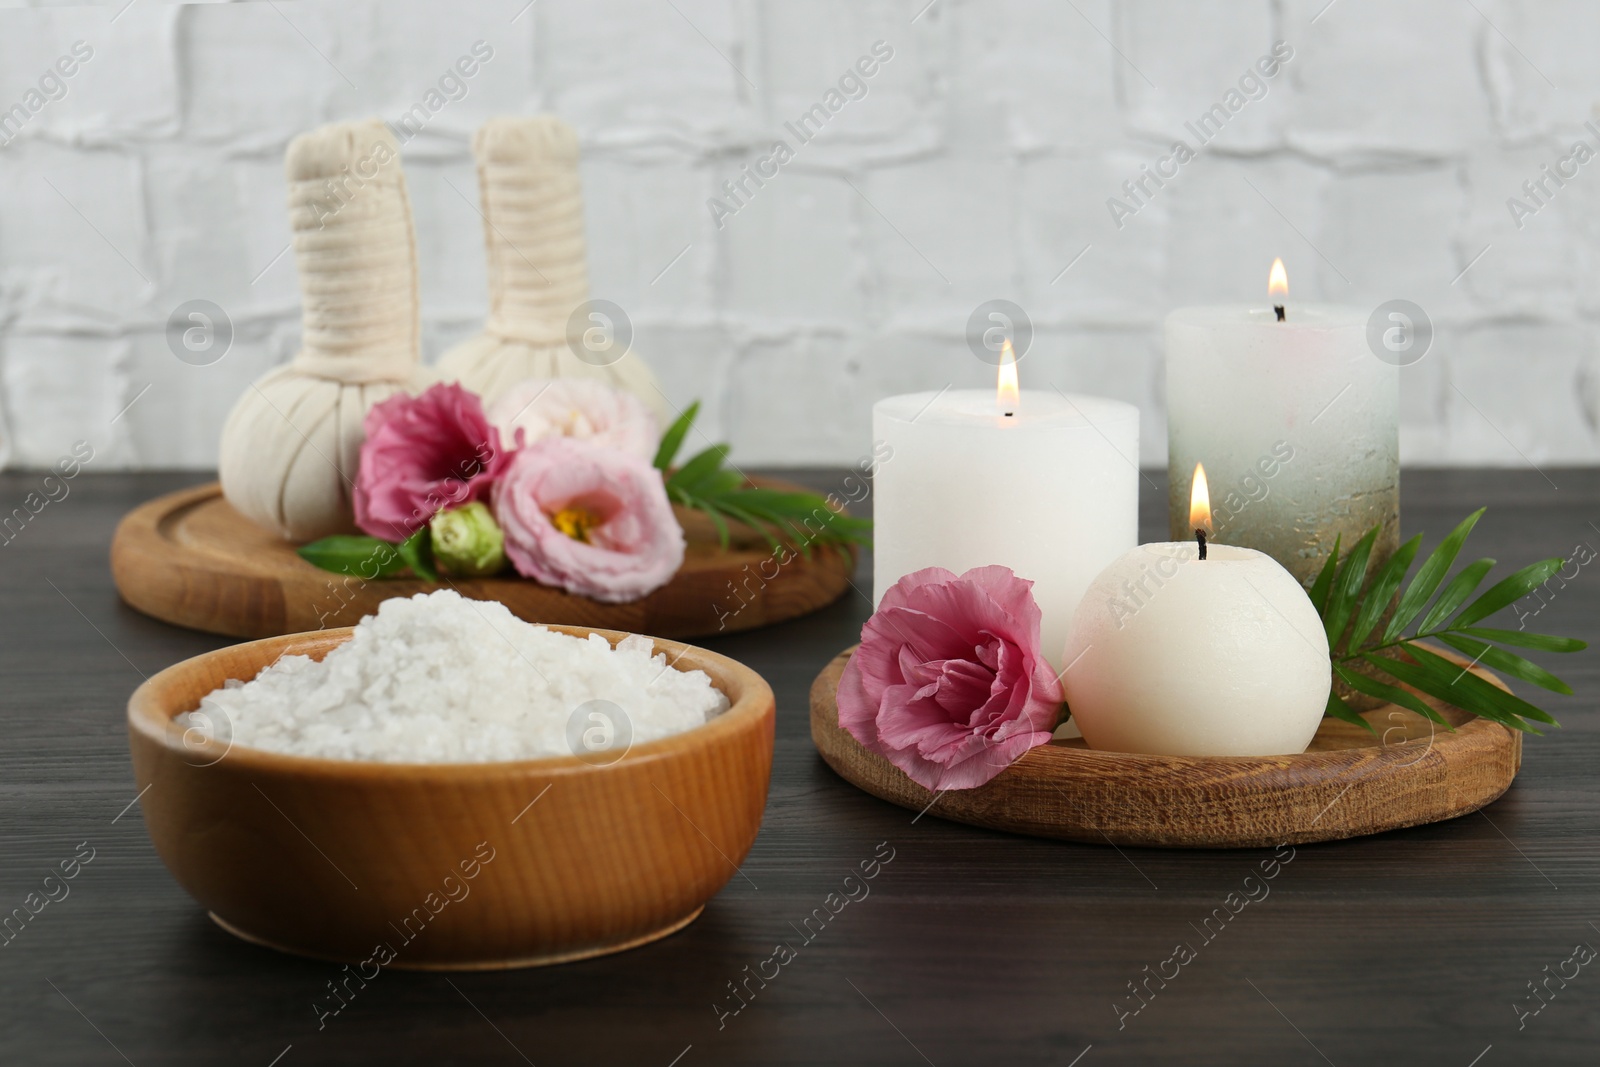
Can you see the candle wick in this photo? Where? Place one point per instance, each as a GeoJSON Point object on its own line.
{"type": "Point", "coordinates": [1279, 309]}
{"type": "Point", "coordinates": [1010, 413]}
{"type": "Point", "coordinates": [1200, 536]}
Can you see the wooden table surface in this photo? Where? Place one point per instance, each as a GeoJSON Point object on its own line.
{"type": "Point", "coordinates": [971, 947]}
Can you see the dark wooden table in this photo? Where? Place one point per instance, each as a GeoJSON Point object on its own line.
{"type": "Point", "coordinates": [972, 948]}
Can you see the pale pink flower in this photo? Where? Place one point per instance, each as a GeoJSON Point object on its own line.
{"type": "Point", "coordinates": [589, 519]}
{"type": "Point", "coordinates": [579, 408]}
{"type": "Point", "coordinates": [949, 684]}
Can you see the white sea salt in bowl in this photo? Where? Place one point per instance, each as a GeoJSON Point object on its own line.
{"type": "Point", "coordinates": [438, 678]}
{"type": "Point", "coordinates": [495, 795]}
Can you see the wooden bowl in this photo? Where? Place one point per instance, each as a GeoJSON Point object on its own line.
{"type": "Point", "coordinates": [1347, 784]}
{"type": "Point", "coordinates": [450, 866]}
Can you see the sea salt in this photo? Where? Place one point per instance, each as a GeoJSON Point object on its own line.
{"type": "Point", "coordinates": [438, 678]}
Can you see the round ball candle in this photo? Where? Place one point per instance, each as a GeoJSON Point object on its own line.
{"type": "Point", "coordinates": [1177, 653]}
{"type": "Point", "coordinates": [1042, 482]}
{"type": "Point", "coordinates": [1297, 421]}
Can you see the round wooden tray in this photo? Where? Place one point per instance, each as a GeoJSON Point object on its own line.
{"type": "Point", "coordinates": [189, 558]}
{"type": "Point", "coordinates": [1347, 784]}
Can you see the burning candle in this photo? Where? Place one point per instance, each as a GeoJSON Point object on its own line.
{"type": "Point", "coordinates": [1046, 483]}
{"type": "Point", "coordinates": [1298, 422]}
{"type": "Point", "coordinates": [1178, 653]}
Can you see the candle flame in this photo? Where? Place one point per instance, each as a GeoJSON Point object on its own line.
{"type": "Point", "coordinates": [1007, 394]}
{"type": "Point", "coordinates": [1278, 280]}
{"type": "Point", "coordinates": [1199, 501]}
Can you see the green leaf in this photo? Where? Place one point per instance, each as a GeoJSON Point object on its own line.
{"type": "Point", "coordinates": [1481, 686]}
{"type": "Point", "coordinates": [792, 509]}
{"type": "Point", "coordinates": [849, 528]}
{"type": "Point", "coordinates": [417, 551]}
{"type": "Point", "coordinates": [716, 520]}
{"type": "Point", "coordinates": [802, 518]}
{"type": "Point", "coordinates": [1438, 677]}
{"type": "Point", "coordinates": [363, 557]}
{"type": "Point", "coordinates": [1382, 590]}
{"type": "Point", "coordinates": [786, 500]}
{"type": "Point", "coordinates": [802, 511]}
{"type": "Point", "coordinates": [1352, 575]}
{"type": "Point", "coordinates": [1460, 587]}
{"type": "Point", "coordinates": [1339, 596]}
{"type": "Point", "coordinates": [1324, 583]}
{"type": "Point", "coordinates": [1507, 591]}
{"type": "Point", "coordinates": [1338, 709]}
{"type": "Point", "coordinates": [719, 483]}
{"type": "Point", "coordinates": [699, 468]}
{"type": "Point", "coordinates": [1525, 639]}
{"type": "Point", "coordinates": [733, 511]}
{"type": "Point", "coordinates": [1361, 683]}
{"type": "Point", "coordinates": [705, 484]}
{"type": "Point", "coordinates": [672, 440]}
{"type": "Point", "coordinates": [787, 526]}
{"type": "Point", "coordinates": [1509, 662]}
{"type": "Point", "coordinates": [1428, 681]}
{"type": "Point", "coordinates": [1433, 570]}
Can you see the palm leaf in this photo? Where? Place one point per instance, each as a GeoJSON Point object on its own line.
{"type": "Point", "coordinates": [1324, 583]}
{"type": "Point", "coordinates": [699, 467]}
{"type": "Point", "coordinates": [1338, 709]}
{"type": "Point", "coordinates": [1338, 596]}
{"type": "Point", "coordinates": [1383, 589]}
{"type": "Point", "coordinates": [733, 511]}
{"type": "Point", "coordinates": [1525, 639]}
{"type": "Point", "coordinates": [1352, 575]}
{"type": "Point", "coordinates": [672, 440]}
{"type": "Point", "coordinates": [722, 483]}
{"type": "Point", "coordinates": [1361, 683]}
{"type": "Point", "coordinates": [1432, 572]}
{"type": "Point", "coordinates": [1480, 686]}
{"type": "Point", "coordinates": [1425, 680]}
{"type": "Point", "coordinates": [712, 513]}
{"type": "Point", "coordinates": [704, 483]}
{"type": "Point", "coordinates": [1509, 662]}
{"type": "Point", "coordinates": [1460, 587]}
{"type": "Point", "coordinates": [1450, 682]}
{"type": "Point", "coordinates": [1507, 591]}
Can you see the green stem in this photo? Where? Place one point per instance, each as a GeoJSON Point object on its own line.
{"type": "Point", "coordinates": [1396, 643]}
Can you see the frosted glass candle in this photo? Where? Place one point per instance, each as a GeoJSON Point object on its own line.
{"type": "Point", "coordinates": [1051, 492]}
{"type": "Point", "coordinates": [1297, 423]}
{"type": "Point", "coordinates": [1179, 656]}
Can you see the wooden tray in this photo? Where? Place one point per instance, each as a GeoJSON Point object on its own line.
{"type": "Point", "coordinates": [1346, 785]}
{"type": "Point", "coordinates": [189, 558]}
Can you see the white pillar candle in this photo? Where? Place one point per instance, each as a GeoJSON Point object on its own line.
{"type": "Point", "coordinates": [1051, 491]}
{"type": "Point", "coordinates": [1298, 425]}
{"type": "Point", "coordinates": [1174, 655]}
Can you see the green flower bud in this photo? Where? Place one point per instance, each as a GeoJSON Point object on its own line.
{"type": "Point", "coordinates": [467, 541]}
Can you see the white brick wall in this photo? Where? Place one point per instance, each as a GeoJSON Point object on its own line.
{"type": "Point", "coordinates": [977, 166]}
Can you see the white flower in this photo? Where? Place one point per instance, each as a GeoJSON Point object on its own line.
{"type": "Point", "coordinates": [579, 408]}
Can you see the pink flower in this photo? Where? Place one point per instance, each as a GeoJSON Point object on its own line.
{"type": "Point", "coordinates": [589, 519]}
{"type": "Point", "coordinates": [422, 454]}
{"type": "Point", "coordinates": [949, 684]}
{"type": "Point", "coordinates": [581, 408]}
